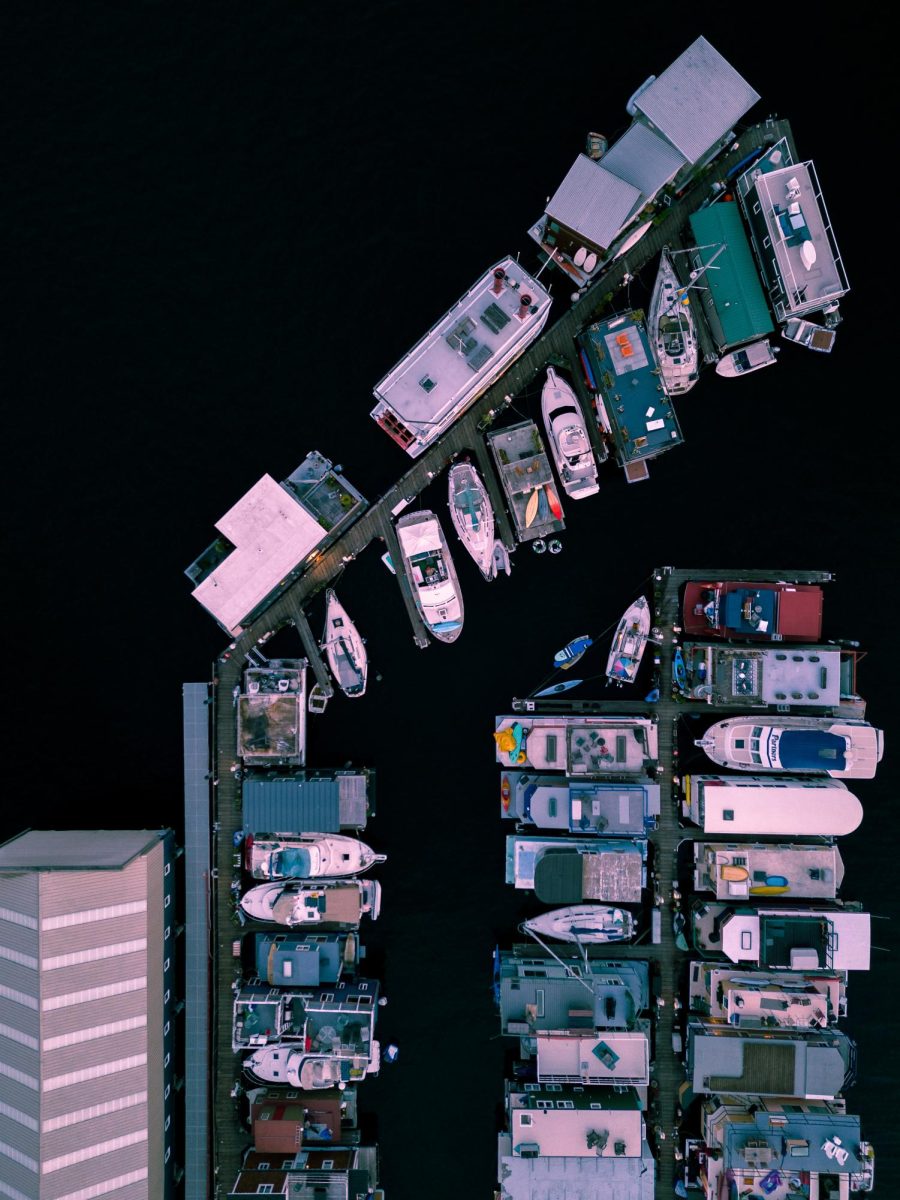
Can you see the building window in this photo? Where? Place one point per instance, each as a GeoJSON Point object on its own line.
{"type": "Point", "coordinates": [166, 1060]}
{"type": "Point", "coordinates": [166, 996]}
{"type": "Point", "coordinates": [264, 1166]}
{"type": "Point", "coordinates": [746, 940]}
{"type": "Point", "coordinates": [166, 965]}
{"type": "Point", "coordinates": [168, 932]}
{"type": "Point", "coordinates": [328, 1164]}
{"type": "Point", "coordinates": [265, 1189]}
{"type": "Point", "coordinates": [168, 1123]}
{"type": "Point", "coordinates": [167, 901]}
{"type": "Point", "coordinates": [166, 1092]}
{"type": "Point", "coordinates": [168, 1154]}
{"type": "Point", "coordinates": [727, 814]}
{"type": "Point", "coordinates": [165, 1028]}
{"type": "Point", "coordinates": [167, 868]}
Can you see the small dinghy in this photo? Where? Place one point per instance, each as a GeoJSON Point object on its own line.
{"type": "Point", "coordinates": [344, 648]}
{"type": "Point", "coordinates": [583, 923]}
{"type": "Point", "coordinates": [628, 642]}
{"type": "Point", "coordinates": [558, 687]}
{"type": "Point", "coordinates": [472, 515]}
{"type": "Point", "coordinates": [570, 654]}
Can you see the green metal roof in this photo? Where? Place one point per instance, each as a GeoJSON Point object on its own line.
{"type": "Point", "coordinates": [735, 288]}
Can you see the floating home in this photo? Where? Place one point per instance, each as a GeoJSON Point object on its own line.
{"type": "Point", "coordinates": [680, 120]}
{"type": "Point", "coordinates": [815, 1144]}
{"type": "Point", "coordinates": [330, 1173]}
{"type": "Point", "coordinates": [763, 999]}
{"type": "Point", "coordinates": [269, 538]}
{"type": "Point", "coordinates": [461, 355]}
{"type": "Point", "coordinates": [567, 1139]}
{"type": "Point", "coordinates": [568, 870]}
{"type": "Point", "coordinates": [819, 1063]}
{"type": "Point", "coordinates": [283, 1120]}
{"type": "Point", "coordinates": [593, 746]}
{"type": "Point", "coordinates": [750, 804]}
{"type": "Point", "coordinates": [795, 246]}
{"type": "Point", "coordinates": [271, 715]}
{"type": "Point", "coordinates": [326, 801]}
{"type": "Point", "coordinates": [338, 1018]}
{"type": "Point", "coordinates": [634, 412]}
{"type": "Point", "coordinates": [742, 869]}
{"type": "Point", "coordinates": [795, 939]}
{"type": "Point", "coordinates": [304, 960]}
{"type": "Point", "coordinates": [616, 1058]}
{"type": "Point", "coordinates": [768, 610]}
{"type": "Point", "coordinates": [780, 677]}
{"type": "Point", "coordinates": [733, 302]}
{"type": "Point", "coordinates": [579, 806]}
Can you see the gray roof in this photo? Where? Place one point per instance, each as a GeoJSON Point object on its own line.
{"type": "Point", "coordinates": [728, 1061]}
{"type": "Point", "coordinates": [76, 849]}
{"type": "Point", "coordinates": [564, 1003]}
{"type": "Point", "coordinates": [593, 202]}
{"type": "Point", "coordinates": [814, 1127]}
{"type": "Point", "coordinates": [696, 100]}
{"type": "Point", "coordinates": [291, 805]}
{"type": "Point", "coordinates": [546, 1178]}
{"type": "Point", "coordinates": [643, 159]}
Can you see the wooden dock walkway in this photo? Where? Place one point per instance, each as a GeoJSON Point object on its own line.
{"type": "Point", "coordinates": [229, 1138]}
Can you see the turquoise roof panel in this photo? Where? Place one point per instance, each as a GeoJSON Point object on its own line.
{"type": "Point", "coordinates": [733, 280]}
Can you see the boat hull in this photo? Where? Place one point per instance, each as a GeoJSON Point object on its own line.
{"type": "Point", "coordinates": [344, 648]}
{"type": "Point", "coordinates": [472, 516]}
{"type": "Point", "coordinates": [429, 569]}
{"type": "Point", "coordinates": [629, 643]}
{"type": "Point", "coordinates": [568, 437]}
{"type": "Point", "coordinates": [593, 923]}
{"type": "Point", "coordinates": [308, 856]}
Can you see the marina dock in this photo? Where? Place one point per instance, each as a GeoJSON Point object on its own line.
{"type": "Point", "coordinates": [227, 1138]}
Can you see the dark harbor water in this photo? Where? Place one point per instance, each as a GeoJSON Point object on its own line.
{"type": "Point", "coordinates": [223, 230]}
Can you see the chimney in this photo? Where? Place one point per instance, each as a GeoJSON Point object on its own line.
{"type": "Point", "coordinates": [499, 276]}
{"type": "Point", "coordinates": [524, 306]}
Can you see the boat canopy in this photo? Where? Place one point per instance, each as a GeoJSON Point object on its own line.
{"type": "Point", "coordinates": [292, 863]}
{"type": "Point", "coordinates": [808, 749]}
{"type": "Point", "coordinates": [750, 611]}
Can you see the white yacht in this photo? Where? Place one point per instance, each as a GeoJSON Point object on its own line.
{"type": "Point", "coordinates": [299, 1069]}
{"type": "Point", "coordinates": [670, 324]}
{"type": "Point", "coordinates": [345, 650]}
{"type": "Point", "coordinates": [431, 573]}
{"type": "Point", "coordinates": [568, 437]}
{"type": "Point", "coordinates": [819, 745]}
{"type": "Point", "coordinates": [341, 902]}
{"type": "Point", "coordinates": [746, 359]}
{"type": "Point", "coordinates": [307, 855]}
{"type": "Point", "coordinates": [472, 516]}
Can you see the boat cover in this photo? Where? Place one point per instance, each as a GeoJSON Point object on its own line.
{"type": "Point", "coordinates": [565, 877]}
{"type": "Point", "coordinates": [812, 749]}
{"type": "Point", "coordinates": [557, 877]}
{"type": "Point", "coordinates": [293, 863]}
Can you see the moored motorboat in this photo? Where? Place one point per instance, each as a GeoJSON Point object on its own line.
{"type": "Point", "coordinates": [299, 1069]}
{"type": "Point", "coordinates": [431, 573]}
{"type": "Point", "coordinates": [843, 749]}
{"type": "Point", "coordinates": [629, 642]}
{"type": "Point", "coordinates": [746, 359]}
{"type": "Point", "coordinates": [670, 325]}
{"type": "Point", "coordinates": [568, 437]}
{"type": "Point", "coordinates": [307, 856]}
{"type": "Point", "coordinates": [344, 648]}
{"type": "Point", "coordinates": [472, 515]}
{"type": "Point", "coordinates": [570, 654]}
{"type": "Point", "coordinates": [340, 902]}
{"type": "Point", "coordinates": [583, 923]}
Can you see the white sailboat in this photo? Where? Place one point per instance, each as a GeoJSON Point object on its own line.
{"type": "Point", "coordinates": [431, 573]}
{"type": "Point", "coordinates": [472, 515]}
{"type": "Point", "coordinates": [307, 856]}
{"type": "Point", "coordinates": [344, 648]}
{"type": "Point", "coordinates": [583, 923]}
{"type": "Point", "coordinates": [568, 437]}
{"type": "Point", "coordinates": [628, 642]}
{"type": "Point", "coordinates": [670, 325]}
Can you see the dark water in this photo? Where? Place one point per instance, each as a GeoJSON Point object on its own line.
{"type": "Point", "coordinates": [223, 230]}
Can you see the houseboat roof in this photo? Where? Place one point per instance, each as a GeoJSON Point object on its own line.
{"type": "Point", "coordinates": [326, 803]}
{"type": "Point", "coordinates": [774, 805]}
{"type": "Point", "coordinates": [560, 1121]}
{"type": "Point", "coordinates": [809, 675]}
{"type": "Point", "coordinates": [801, 872]}
{"type": "Point", "coordinates": [695, 102]}
{"type": "Point", "coordinates": [584, 806]}
{"type": "Point", "coordinates": [462, 353]}
{"type": "Point", "coordinates": [753, 610]}
{"type": "Point", "coordinates": [565, 876]}
{"type": "Point", "coordinates": [297, 960]}
{"type": "Point", "coordinates": [735, 292]}
{"type": "Point", "coordinates": [753, 999]}
{"type": "Point", "coordinates": [798, 939]}
{"type": "Point", "coordinates": [786, 213]}
{"type": "Point", "coordinates": [810, 1132]}
{"type": "Point", "coordinates": [271, 713]}
{"type": "Point", "coordinates": [593, 202]}
{"type": "Point", "coordinates": [616, 1057]}
{"type": "Point", "coordinates": [546, 1177]}
{"type": "Point", "coordinates": [585, 745]}
{"type": "Point", "coordinates": [538, 993]}
{"type": "Point", "coordinates": [642, 421]}
{"type": "Point", "coordinates": [643, 159]}
{"type": "Point", "coordinates": [774, 1063]}
{"type": "Point", "coordinates": [271, 534]}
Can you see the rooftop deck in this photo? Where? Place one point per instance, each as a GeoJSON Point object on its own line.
{"type": "Point", "coordinates": [740, 869]}
{"type": "Point", "coordinates": [618, 1057]}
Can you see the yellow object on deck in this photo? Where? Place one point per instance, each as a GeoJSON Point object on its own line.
{"type": "Point", "coordinates": [505, 739]}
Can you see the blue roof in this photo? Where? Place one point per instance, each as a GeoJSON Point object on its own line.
{"type": "Point", "coordinates": [642, 420]}
{"type": "Point", "coordinates": [311, 962]}
{"type": "Point", "coordinates": [762, 602]}
{"type": "Point", "coordinates": [811, 749]}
